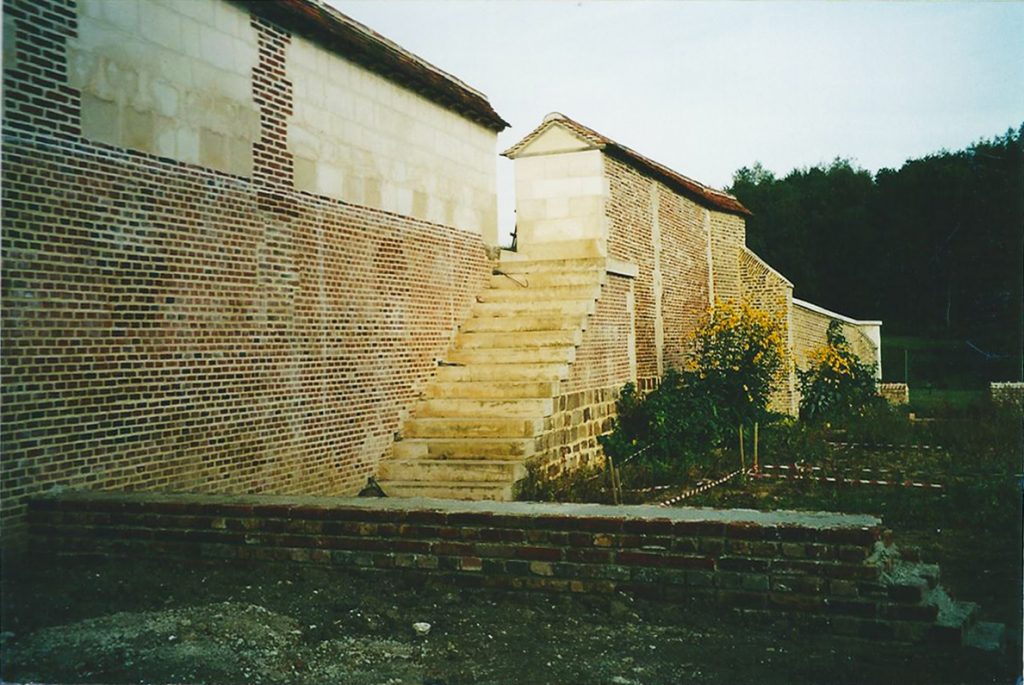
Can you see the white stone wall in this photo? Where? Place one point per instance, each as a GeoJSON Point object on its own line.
{"type": "Point", "coordinates": [169, 77]}
{"type": "Point", "coordinates": [560, 198]}
{"type": "Point", "coordinates": [359, 138]}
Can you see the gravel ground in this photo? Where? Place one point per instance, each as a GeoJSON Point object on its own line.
{"type": "Point", "coordinates": [116, 621]}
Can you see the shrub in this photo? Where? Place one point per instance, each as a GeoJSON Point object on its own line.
{"type": "Point", "coordinates": [674, 423]}
{"type": "Point", "coordinates": [837, 383]}
{"type": "Point", "coordinates": [738, 353]}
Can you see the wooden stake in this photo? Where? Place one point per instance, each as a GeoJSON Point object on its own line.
{"type": "Point", "coordinates": [613, 477]}
{"type": "Point", "coordinates": [757, 462]}
{"type": "Point", "coordinates": [743, 458]}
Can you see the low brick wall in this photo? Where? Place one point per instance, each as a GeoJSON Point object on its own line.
{"type": "Point", "coordinates": [894, 393]}
{"type": "Point", "coordinates": [817, 563]}
{"type": "Point", "coordinates": [1011, 393]}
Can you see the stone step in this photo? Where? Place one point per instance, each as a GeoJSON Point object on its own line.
{"type": "Point", "coordinates": [452, 470]}
{"type": "Point", "coordinates": [514, 355]}
{"type": "Point", "coordinates": [501, 492]}
{"type": "Point", "coordinates": [465, 448]}
{"type": "Point", "coordinates": [565, 265]}
{"type": "Point", "coordinates": [474, 408]}
{"type": "Point", "coordinates": [409, 449]}
{"type": "Point", "coordinates": [503, 372]}
{"type": "Point", "coordinates": [507, 280]}
{"type": "Point", "coordinates": [515, 324]}
{"type": "Point", "coordinates": [430, 427]}
{"type": "Point", "coordinates": [540, 309]}
{"type": "Point", "coordinates": [492, 390]}
{"type": "Point", "coordinates": [560, 293]}
{"type": "Point", "coordinates": [490, 339]}
{"type": "Point", "coordinates": [576, 248]}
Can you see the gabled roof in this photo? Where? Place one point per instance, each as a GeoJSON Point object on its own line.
{"type": "Point", "coordinates": [706, 195]}
{"type": "Point", "coordinates": [335, 31]}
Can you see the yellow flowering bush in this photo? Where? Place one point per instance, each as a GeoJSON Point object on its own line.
{"type": "Point", "coordinates": [836, 383]}
{"type": "Point", "coordinates": [738, 353]}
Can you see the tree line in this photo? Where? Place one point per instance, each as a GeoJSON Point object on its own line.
{"type": "Point", "coordinates": [934, 249]}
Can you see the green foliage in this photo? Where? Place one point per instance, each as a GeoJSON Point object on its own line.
{"type": "Point", "coordinates": [737, 357]}
{"type": "Point", "coordinates": [578, 485]}
{"type": "Point", "coordinates": [739, 352]}
{"type": "Point", "coordinates": [931, 248]}
{"type": "Point", "coordinates": [676, 424]}
{"type": "Point", "coordinates": [837, 383]}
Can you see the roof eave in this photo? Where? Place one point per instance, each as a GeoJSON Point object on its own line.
{"type": "Point", "coordinates": [377, 54]}
{"type": "Point", "coordinates": [726, 205]}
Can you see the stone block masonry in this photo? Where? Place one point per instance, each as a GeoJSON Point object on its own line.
{"type": "Point", "coordinates": [819, 564]}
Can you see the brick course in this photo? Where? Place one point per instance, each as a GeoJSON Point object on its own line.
{"type": "Point", "coordinates": [785, 561]}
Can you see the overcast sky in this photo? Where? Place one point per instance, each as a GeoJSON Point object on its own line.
{"type": "Point", "coordinates": [709, 87]}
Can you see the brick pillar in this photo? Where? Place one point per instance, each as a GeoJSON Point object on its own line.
{"type": "Point", "coordinates": [37, 98]}
{"type": "Point", "coordinates": [272, 91]}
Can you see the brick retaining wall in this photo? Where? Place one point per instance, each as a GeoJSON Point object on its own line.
{"type": "Point", "coordinates": [816, 563]}
{"type": "Point", "coordinates": [894, 393]}
{"type": "Point", "coordinates": [1007, 393]}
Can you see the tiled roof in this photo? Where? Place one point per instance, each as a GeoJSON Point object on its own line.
{"type": "Point", "coordinates": [328, 27]}
{"type": "Point", "coordinates": [706, 195]}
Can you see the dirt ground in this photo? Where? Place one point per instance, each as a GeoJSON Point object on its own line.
{"type": "Point", "coordinates": [117, 621]}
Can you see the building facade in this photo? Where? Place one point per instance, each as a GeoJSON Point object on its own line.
{"type": "Point", "coordinates": [236, 239]}
{"type": "Point", "coordinates": [249, 247]}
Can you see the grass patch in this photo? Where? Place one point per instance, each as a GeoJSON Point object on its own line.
{"type": "Point", "coordinates": [944, 401]}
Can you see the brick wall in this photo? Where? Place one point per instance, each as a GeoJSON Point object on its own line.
{"type": "Point", "coordinates": [630, 217]}
{"type": "Point", "coordinates": [684, 273]}
{"type": "Point", "coordinates": [894, 393]}
{"type": "Point", "coordinates": [663, 234]}
{"type": "Point", "coordinates": [769, 291]}
{"type": "Point", "coordinates": [171, 326]}
{"type": "Point", "coordinates": [1011, 394]}
{"type": "Point", "coordinates": [809, 333]}
{"type": "Point", "coordinates": [728, 237]}
{"type": "Point", "coordinates": [817, 564]}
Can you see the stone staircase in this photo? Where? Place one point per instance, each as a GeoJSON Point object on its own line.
{"type": "Point", "coordinates": [479, 420]}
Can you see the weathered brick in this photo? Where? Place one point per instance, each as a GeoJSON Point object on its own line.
{"type": "Point", "coordinates": [453, 548]}
{"type": "Point", "coordinates": [471, 564]}
{"type": "Point", "coordinates": [849, 536]}
{"type": "Point", "coordinates": [744, 531]}
{"type": "Point", "coordinates": [588, 556]}
{"type": "Point", "coordinates": [743, 564]}
{"type": "Point", "coordinates": [850, 607]}
{"type": "Point", "coordinates": [909, 612]}
{"type": "Point", "coordinates": [742, 600]}
{"type": "Point", "coordinates": [539, 553]}
{"type": "Point", "coordinates": [788, 601]}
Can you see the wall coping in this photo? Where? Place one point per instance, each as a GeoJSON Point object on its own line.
{"type": "Point", "coordinates": [753, 255]}
{"type": "Point", "coordinates": [828, 312]}
{"type": "Point", "coordinates": [805, 519]}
